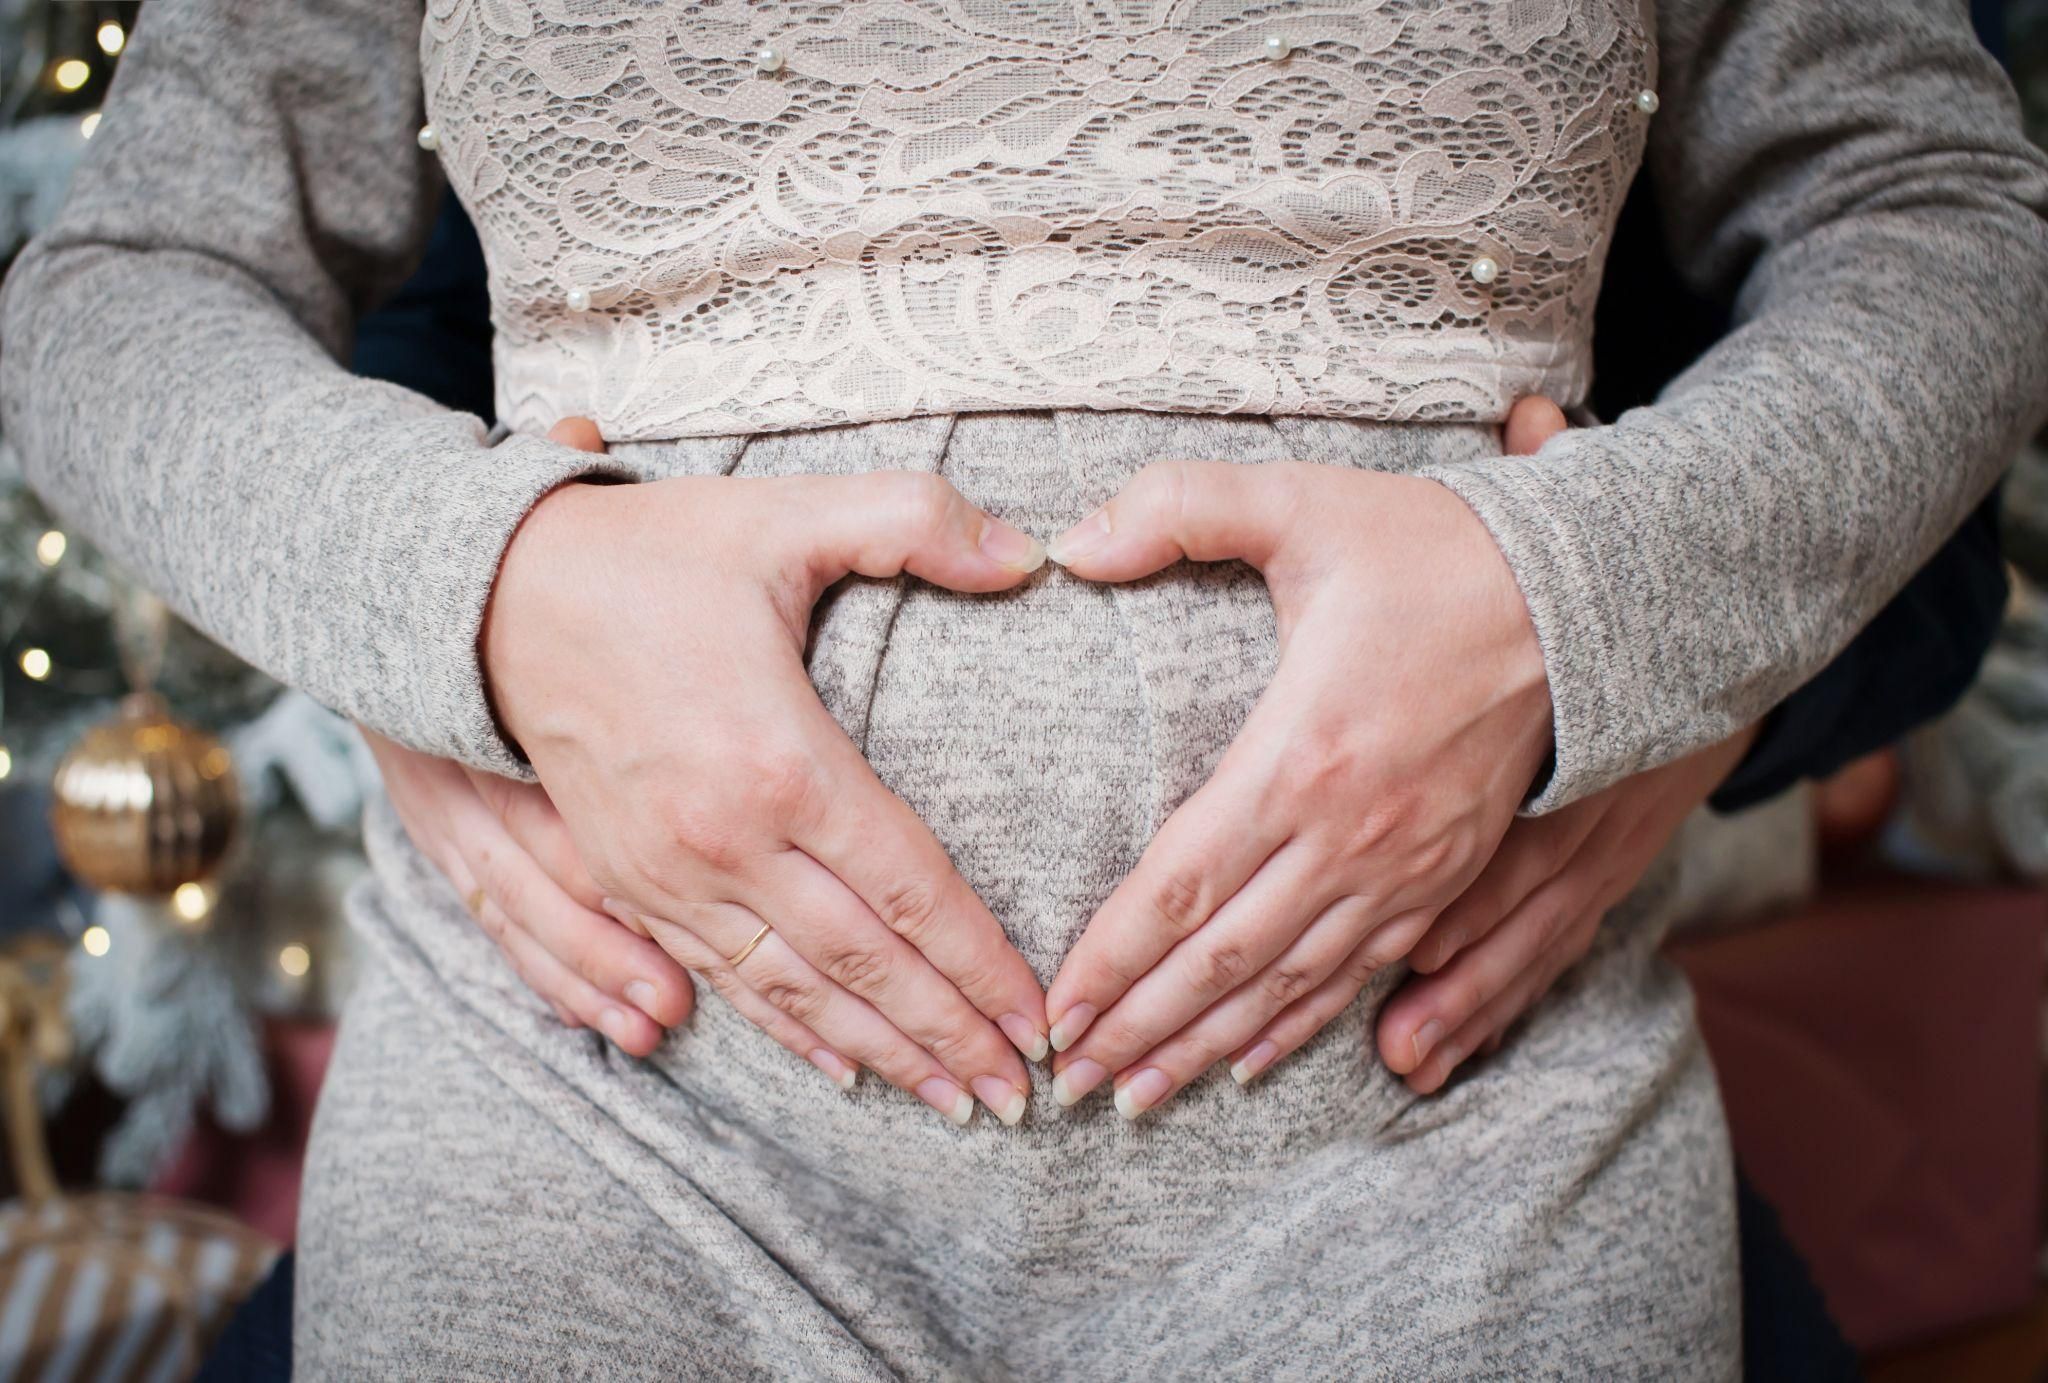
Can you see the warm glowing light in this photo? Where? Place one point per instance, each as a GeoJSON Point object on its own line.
{"type": "Point", "coordinates": [192, 902]}
{"type": "Point", "coordinates": [96, 941]}
{"type": "Point", "coordinates": [50, 548]}
{"type": "Point", "coordinates": [89, 124]}
{"type": "Point", "coordinates": [6, 762]}
{"type": "Point", "coordinates": [295, 960]}
{"type": "Point", "coordinates": [71, 74]}
{"type": "Point", "coordinates": [36, 663]}
{"type": "Point", "coordinates": [112, 38]}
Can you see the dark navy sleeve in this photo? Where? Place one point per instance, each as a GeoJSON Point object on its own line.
{"type": "Point", "coordinates": [434, 335]}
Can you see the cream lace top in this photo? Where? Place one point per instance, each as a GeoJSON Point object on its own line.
{"type": "Point", "coordinates": [1396, 211]}
{"type": "Point", "coordinates": [722, 217]}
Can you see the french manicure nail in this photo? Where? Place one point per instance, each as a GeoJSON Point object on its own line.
{"type": "Point", "coordinates": [1080, 540]}
{"type": "Point", "coordinates": [1254, 1061]}
{"type": "Point", "coordinates": [1004, 1100]}
{"type": "Point", "coordinates": [612, 1022]}
{"type": "Point", "coordinates": [839, 1072]}
{"type": "Point", "coordinates": [1010, 548]}
{"type": "Point", "coordinates": [1142, 1091]}
{"type": "Point", "coordinates": [1426, 1037]}
{"type": "Point", "coordinates": [949, 1099]}
{"type": "Point", "coordinates": [1023, 1035]}
{"type": "Point", "coordinates": [640, 994]}
{"type": "Point", "coordinates": [1072, 1024]}
{"type": "Point", "coordinates": [1077, 1080]}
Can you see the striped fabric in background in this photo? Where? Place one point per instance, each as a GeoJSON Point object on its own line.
{"type": "Point", "coordinates": [106, 1287]}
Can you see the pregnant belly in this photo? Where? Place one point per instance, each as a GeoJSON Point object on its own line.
{"type": "Point", "coordinates": [1044, 734]}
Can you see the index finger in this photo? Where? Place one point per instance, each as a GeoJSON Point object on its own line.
{"type": "Point", "coordinates": [881, 850]}
{"type": "Point", "coordinates": [1202, 856]}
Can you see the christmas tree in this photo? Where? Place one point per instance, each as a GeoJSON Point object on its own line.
{"type": "Point", "coordinates": [194, 849]}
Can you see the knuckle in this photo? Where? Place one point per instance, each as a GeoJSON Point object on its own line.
{"type": "Point", "coordinates": [694, 828]}
{"type": "Point", "coordinates": [923, 501]}
{"type": "Point", "coordinates": [1162, 487]}
{"type": "Point", "coordinates": [1362, 965]}
{"type": "Point", "coordinates": [1221, 967]}
{"type": "Point", "coordinates": [493, 920]}
{"type": "Point", "coordinates": [1121, 1035]}
{"type": "Point", "coordinates": [1176, 901]}
{"type": "Point", "coordinates": [722, 978]}
{"type": "Point", "coordinates": [782, 784]}
{"type": "Point", "coordinates": [952, 1048]}
{"type": "Point", "coordinates": [1287, 981]}
{"type": "Point", "coordinates": [910, 908]}
{"type": "Point", "coordinates": [857, 966]}
{"type": "Point", "coordinates": [1548, 923]}
{"type": "Point", "coordinates": [794, 995]}
{"type": "Point", "coordinates": [1383, 948]}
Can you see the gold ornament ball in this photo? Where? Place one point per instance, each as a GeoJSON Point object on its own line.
{"type": "Point", "coordinates": [144, 803]}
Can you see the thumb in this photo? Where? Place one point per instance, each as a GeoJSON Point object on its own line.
{"type": "Point", "coordinates": [888, 522]}
{"type": "Point", "coordinates": [1206, 511]}
{"type": "Point", "coordinates": [1531, 422]}
{"type": "Point", "coordinates": [577, 434]}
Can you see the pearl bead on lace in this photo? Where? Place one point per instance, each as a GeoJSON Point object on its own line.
{"type": "Point", "coordinates": [1278, 46]}
{"type": "Point", "coordinates": [429, 139]}
{"type": "Point", "coordinates": [1484, 269]}
{"type": "Point", "coordinates": [578, 300]}
{"type": "Point", "coordinates": [768, 58]}
{"type": "Point", "coordinates": [1646, 102]}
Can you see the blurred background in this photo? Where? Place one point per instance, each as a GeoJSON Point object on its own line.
{"type": "Point", "coordinates": [177, 834]}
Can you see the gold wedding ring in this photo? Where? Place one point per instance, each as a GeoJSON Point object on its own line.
{"type": "Point", "coordinates": [748, 949]}
{"type": "Point", "coordinates": [475, 903]}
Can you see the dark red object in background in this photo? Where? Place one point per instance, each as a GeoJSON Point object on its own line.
{"type": "Point", "coordinates": [1880, 1056]}
{"type": "Point", "coordinates": [255, 1176]}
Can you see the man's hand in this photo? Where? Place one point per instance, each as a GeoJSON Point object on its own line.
{"type": "Point", "coordinates": [505, 851]}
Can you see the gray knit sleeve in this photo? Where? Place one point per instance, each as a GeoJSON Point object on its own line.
{"type": "Point", "coordinates": [1854, 179]}
{"type": "Point", "coordinates": [169, 365]}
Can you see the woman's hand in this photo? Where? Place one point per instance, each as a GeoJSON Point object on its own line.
{"type": "Point", "coordinates": [503, 848]}
{"type": "Point", "coordinates": [1407, 719]}
{"type": "Point", "coordinates": [1529, 917]}
{"type": "Point", "coordinates": [644, 644]}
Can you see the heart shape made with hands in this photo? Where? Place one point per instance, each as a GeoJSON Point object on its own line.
{"type": "Point", "coordinates": [1326, 847]}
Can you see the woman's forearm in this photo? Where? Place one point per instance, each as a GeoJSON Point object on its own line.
{"type": "Point", "coordinates": [1858, 173]}
{"type": "Point", "coordinates": [169, 371]}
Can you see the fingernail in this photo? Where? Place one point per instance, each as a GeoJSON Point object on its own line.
{"type": "Point", "coordinates": [1426, 1037]}
{"type": "Point", "coordinates": [1254, 1061]}
{"type": "Point", "coordinates": [949, 1099]}
{"type": "Point", "coordinates": [1080, 540]}
{"type": "Point", "coordinates": [1016, 550]}
{"type": "Point", "coordinates": [1004, 1100]}
{"type": "Point", "coordinates": [1142, 1091]}
{"type": "Point", "coordinates": [1072, 1024]}
{"type": "Point", "coordinates": [839, 1072]}
{"type": "Point", "coordinates": [1023, 1035]}
{"type": "Point", "coordinates": [640, 994]}
{"type": "Point", "coordinates": [1077, 1080]}
{"type": "Point", "coordinates": [612, 1022]}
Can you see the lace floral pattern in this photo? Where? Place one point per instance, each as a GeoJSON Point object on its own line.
{"type": "Point", "coordinates": [941, 205]}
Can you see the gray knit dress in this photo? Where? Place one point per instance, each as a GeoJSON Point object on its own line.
{"type": "Point", "coordinates": [797, 238]}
